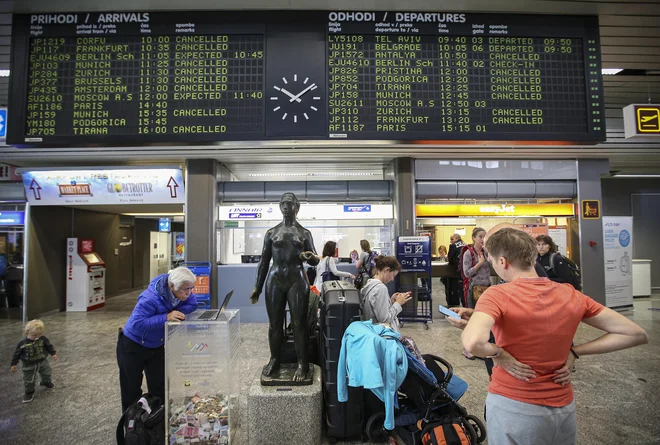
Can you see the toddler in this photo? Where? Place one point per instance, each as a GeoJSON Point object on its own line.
{"type": "Point", "coordinates": [33, 351]}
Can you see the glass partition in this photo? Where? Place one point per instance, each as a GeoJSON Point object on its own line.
{"type": "Point", "coordinates": [238, 240]}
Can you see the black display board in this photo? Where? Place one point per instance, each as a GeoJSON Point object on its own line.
{"type": "Point", "coordinates": [184, 77]}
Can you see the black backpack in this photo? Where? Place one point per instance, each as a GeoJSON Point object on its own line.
{"type": "Point", "coordinates": [143, 423]}
{"type": "Point", "coordinates": [575, 277]}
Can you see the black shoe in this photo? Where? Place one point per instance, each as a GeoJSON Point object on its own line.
{"type": "Point", "coordinates": [48, 385]}
{"type": "Point", "coordinates": [28, 398]}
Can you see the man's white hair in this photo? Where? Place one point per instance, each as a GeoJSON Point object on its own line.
{"type": "Point", "coordinates": [179, 276]}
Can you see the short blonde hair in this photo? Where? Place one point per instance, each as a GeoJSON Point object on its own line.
{"type": "Point", "coordinates": [34, 327]}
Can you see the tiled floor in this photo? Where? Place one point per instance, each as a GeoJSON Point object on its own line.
{"type": "Point", "coordinates": [617, 395]}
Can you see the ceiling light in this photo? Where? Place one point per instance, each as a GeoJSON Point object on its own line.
{"type": "Point", "coordinates": [4, 73]}
{"type": "Point", "coordinates": [617, 175]}
{"type": "Point", "coordinates": [164, 215]}
{"type": "Point", "coordinates": [610, 71]}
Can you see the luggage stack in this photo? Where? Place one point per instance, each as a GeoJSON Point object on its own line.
{"type": "Point", "coordinates": [340, 306]}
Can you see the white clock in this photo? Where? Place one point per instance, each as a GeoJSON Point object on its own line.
{"type": "Point", "coordinates": [295, 99]}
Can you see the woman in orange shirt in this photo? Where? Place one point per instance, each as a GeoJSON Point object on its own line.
{"type": "Point", "coordinates": [534, 320]}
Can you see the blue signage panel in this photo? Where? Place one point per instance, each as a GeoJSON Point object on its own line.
{"type": "Point", "coordinates": [164, 224]}
{"type": "Point", "coordinates": [3, 122]}
{"type": "Point", "coordinates": [12, 218]}
{"type": "Point", "coordinates": [414, 253]}
{"type": "Point", "coordinates": [357, 208]}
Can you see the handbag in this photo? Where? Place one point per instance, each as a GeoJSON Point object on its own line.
{"type": "Point", "coordinates": [328, 275]}
{"type": "Point", "coordinates": [477, 291]}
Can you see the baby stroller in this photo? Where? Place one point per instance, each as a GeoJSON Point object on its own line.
{"type": "Point", "coordinates": [427, 394]}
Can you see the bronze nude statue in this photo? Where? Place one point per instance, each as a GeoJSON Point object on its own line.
{"type": "Point", "coordinates": [289, 245]}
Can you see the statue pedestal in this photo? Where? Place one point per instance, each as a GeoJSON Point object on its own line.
{"type": "Point", "coordinates": [284, 415]}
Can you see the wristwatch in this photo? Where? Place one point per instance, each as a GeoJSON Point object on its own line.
{"type": "Point", "coordinates": [497, 354]}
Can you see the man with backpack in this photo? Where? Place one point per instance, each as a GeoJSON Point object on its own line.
{"type": "Point", "coordinates": [558, 268]}
{"type": "Point", "coordinates": [455, 282]}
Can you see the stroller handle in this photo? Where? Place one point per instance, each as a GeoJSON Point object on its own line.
{"type": "Point", "coordinates": [450, 370]}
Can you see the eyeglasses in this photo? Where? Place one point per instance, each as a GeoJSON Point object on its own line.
{"type": "Point", "coordinates": [188, 289]}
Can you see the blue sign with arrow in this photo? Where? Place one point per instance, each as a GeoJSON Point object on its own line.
{"type": "Point", "coordinates": [164, 224]}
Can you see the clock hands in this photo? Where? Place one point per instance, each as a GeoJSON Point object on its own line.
{"type": "Point", "coordinates": [293, 98]}
{"type": "Point", "coordinates": [297, 96]}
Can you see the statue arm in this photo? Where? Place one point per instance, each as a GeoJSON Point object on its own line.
{"type": "Point", "coordinates": [308, 247]}
{"type": "Point", "coordinates": [264, 263]}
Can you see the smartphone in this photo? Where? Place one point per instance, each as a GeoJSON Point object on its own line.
{"type": "Point", "coordinates": [447, 312]}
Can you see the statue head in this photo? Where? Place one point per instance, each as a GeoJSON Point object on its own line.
{"type": "Point", "coordinates": [289, 205]}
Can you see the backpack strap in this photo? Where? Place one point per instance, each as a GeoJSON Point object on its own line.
{"type": "Point", "coordinates": [121, 435]}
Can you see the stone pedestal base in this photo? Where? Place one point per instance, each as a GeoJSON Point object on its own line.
{"type": "Point", "coordinates": [284, 415]}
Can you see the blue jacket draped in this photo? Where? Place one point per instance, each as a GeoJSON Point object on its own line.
{"type": "Point", "coordinates": [146, 325]}
{"type": "Point", "coordinates": [371, 360]}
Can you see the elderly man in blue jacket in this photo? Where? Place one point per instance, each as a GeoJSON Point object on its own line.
{"type": "Point", "coordinates": [140, 347]}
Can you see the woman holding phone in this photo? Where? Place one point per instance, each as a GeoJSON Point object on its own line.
{"type": "Point", "coordinates": [377, 305]}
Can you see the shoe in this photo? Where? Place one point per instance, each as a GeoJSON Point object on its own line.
{"type": "Point", "coordinates": [468, 355]}
{"type": "Point", "coordinates": [27, 398]}
{"type": "Point", "coordinates": [49, 385]}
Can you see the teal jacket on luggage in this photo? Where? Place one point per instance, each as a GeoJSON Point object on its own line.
{"type": "Point", "coordinates": [372, 357]}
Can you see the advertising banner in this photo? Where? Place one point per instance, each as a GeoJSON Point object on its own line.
{"type": "Point", "coordinates": [104, 186]}
{"type": "Point", "coordinates": [414, 253]}
{"type": "Point", "coordinates": [618, 242]}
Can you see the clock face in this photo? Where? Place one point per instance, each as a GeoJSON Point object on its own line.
{"type": "Point", "coordinates": [294, 99]}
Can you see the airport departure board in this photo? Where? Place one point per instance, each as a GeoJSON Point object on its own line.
{"type": "Point", "coordinates": [144, 78]}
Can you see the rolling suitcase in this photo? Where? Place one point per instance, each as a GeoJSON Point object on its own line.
{"type": "Point", "coordinates": [340, 307]}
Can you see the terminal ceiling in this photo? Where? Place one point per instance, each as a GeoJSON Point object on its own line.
{"type": "Point", "coordinates": [630, 40]}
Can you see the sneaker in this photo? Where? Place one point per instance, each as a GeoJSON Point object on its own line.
{"type": "Point", "coordinates": [49, 385]}
{"type": "Point", "coordinates": [28, 398]}
{"type": "Point", "coordinates": [468, 355]}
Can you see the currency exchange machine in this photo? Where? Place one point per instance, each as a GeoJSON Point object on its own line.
{"type": "Point", "coordinates": [85, 281]}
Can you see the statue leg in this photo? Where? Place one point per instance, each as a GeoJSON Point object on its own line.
{"type": "Point", "coordinates": [275, 307]}
{"type": "Point", "coordinates": [298, 297]}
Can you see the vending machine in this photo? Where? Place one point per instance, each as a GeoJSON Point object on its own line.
{"type": "Point", "coordinates": [85, 284]}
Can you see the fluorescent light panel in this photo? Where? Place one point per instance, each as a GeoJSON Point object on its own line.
{"type": "Point", "coordinates": [610, 71]}
{"type": "Point", "coordinates": [4, 73]}
{"type": "Point", "coordinates": [259, 175]}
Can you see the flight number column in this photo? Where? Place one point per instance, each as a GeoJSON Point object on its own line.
{"type": "Point", "coordinates": [44, 101]}
{"type": "Point", "coordinates": [154, 85]}
{"type": "Point", "coordinates": [348, 65]}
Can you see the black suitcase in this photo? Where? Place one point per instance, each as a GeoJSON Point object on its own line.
{"type": "Point", "coordinates": [340, 307]}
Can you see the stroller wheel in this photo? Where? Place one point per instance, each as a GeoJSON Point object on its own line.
{"type": "Point", "coordinates": [472, 434]}
{"type": "Point", "coordinates": [478, 427]}
{"type": "Point", "coordinates": [375, 430]}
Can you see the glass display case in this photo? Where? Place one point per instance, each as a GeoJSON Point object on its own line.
{"type": "Point", "coordinates": [202, 383]}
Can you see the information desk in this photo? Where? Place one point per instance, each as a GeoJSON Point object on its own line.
{"type": "Point", "coordinates": [241, 278]}
{"type": "Point", "coordinates": [189, 76]}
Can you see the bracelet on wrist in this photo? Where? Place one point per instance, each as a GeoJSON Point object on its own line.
{"type": "Point", "coordinates": [574, 353]}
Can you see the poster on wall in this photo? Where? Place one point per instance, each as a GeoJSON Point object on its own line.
{"type": "Point", "coordinates": [559, 235]}
{"type": "Point", "coordinates": [179, 248]}
{"type": "Point", "coordinates": [617, 235]}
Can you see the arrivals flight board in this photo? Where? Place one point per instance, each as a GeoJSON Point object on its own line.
{"type": "Point", "coordinates": [200, 77]}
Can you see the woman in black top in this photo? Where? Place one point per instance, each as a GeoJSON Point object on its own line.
{"type": "Point", "coordinates": [557, 271]}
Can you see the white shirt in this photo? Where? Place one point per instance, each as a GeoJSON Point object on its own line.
{"type": "Point", "coordinates": [327, 264]}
